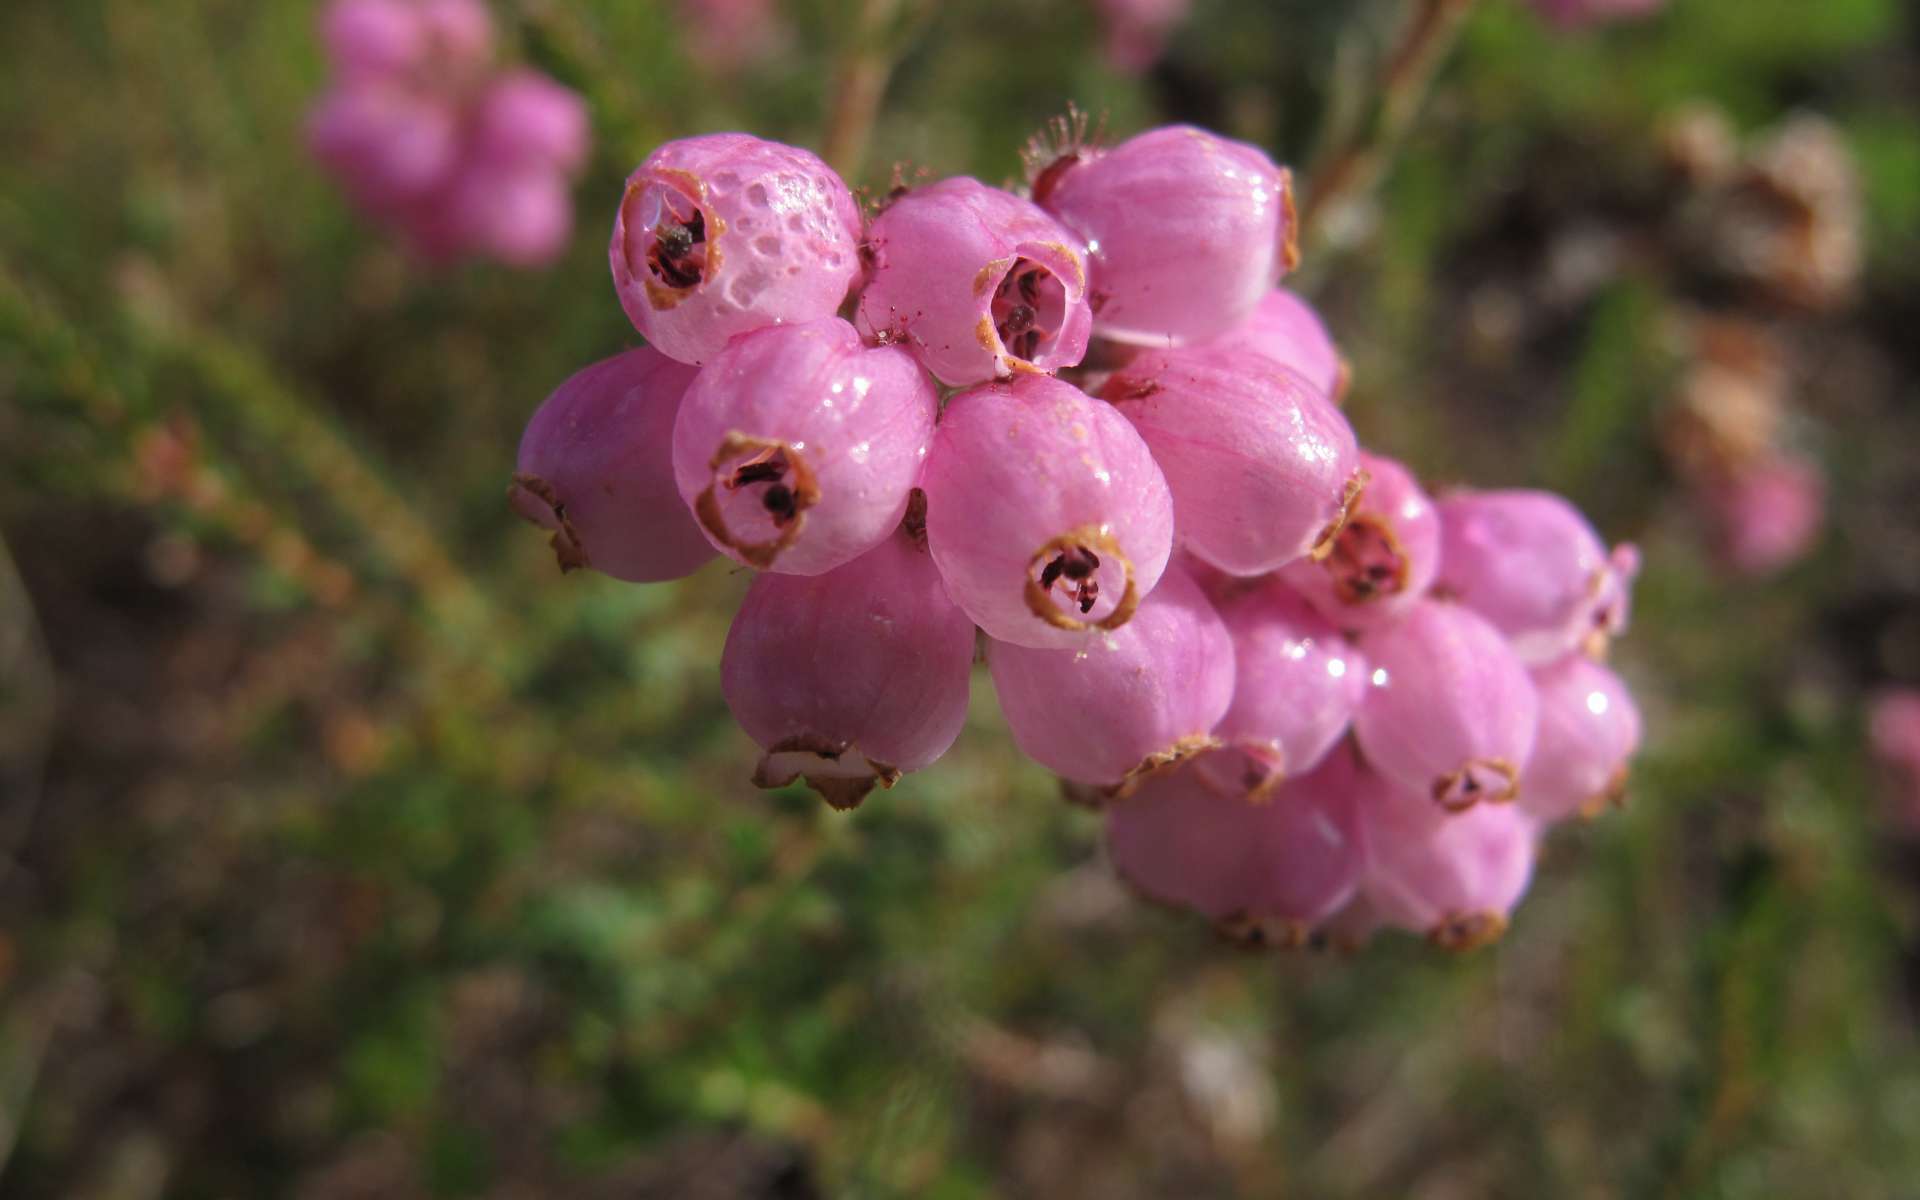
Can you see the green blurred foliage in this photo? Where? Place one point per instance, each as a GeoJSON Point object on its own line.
{"type": "Point", "coordinates": [369, 856]}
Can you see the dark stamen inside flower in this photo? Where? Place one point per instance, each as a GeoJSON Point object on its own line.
{"type": "Point", "coordinates": [1490, 779]}
{"type": "Point", "coordinates": [1077, 564]}
{"type": "Point", "coordinates": [679, 251]}
{"type": "Point", "coordinates": [1028, 308]}
{"type": "Point", "coordinates": [771, 468]}
{"type": "Point", "coordinates": [1366, 561]}
{"type": "Point", "coordinates": [778, 500]}
{"type": "Point", "coordinates": [756, 472]}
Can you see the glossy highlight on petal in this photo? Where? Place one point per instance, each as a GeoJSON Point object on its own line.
{"type": "Point", "coordinates": [978, 282]}
{"type": "Point", "coordinates": [596, 468]}
{"type": "Point", "coordinates": [727, 233]}
{"type": "Point", "coordinates": [1127, 702]}
{"type": "Point", "coordinates": [1260, 464]}
{"type": "Point", "coordinates": [1186, 230]}
{"type": "Point", "coordinates": [797, 446]}
{"type": "Point", "coordinates": [852, 677]}
{"type": "Point", "coordinates": [1450, 712]}
{"type": "Point", "coordinates": [1045, 511]}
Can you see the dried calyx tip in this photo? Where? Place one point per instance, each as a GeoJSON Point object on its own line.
{"type": "Point", "coordinates": [1461, 932]}
{"type": "Point", "coordinates": [838, 772]}
{"type": "Point", "coordinates": [1491, 779]}
{"type": "Point", "coordinates": [914, 522]}
{"type": "Point", "coordinates": [1051, 152]}
{"type": "Point", "coordinates": [1356, 486]}
{"type": "Point", "coordinates": [536, 500]}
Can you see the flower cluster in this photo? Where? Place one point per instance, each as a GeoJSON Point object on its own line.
{"type": "Point", "coordinates": [1082, 428]}
{"type": "Point", "coordinates": [428, 137]}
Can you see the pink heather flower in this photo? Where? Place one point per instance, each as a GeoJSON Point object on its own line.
{"type": "Point", "coordinates": [1769, 514]}
{"type": "Point", "coordinates": [390, 148]}
{"type": "Point", "coordinates": [1126, 702]}
{"type": "Point", "coordinates": [725, 35]}
{"type": "Point", "coordinates": [1449, 712]}
{"type": "Point", "coordinates": [372, 38]}
{"type": "Point", "coordinates": [526, 119]}
{"type": "Point", "coordinates": [849, 678]}
{"type": "Point", "coordinates": [1186, 231]}
{"type": "Point", "coordinates": [797, 446]}
{"type": "Point", "coordinates": [513, 197]}
{"type": "Point", "coordinates": [1893, 732]}
{"type": "Point", "coordinates": [1589, 730]}
{"type": "Point", "coordinates": [460, 30]}
{"type": "Point", "coordinates": [1287, 330]}
{"type": "Point", "coordinates": [596, 468]}
{"type": "Point", "coordinates": [1297, 685]}
{"type": "Point", "coordinates": [978, 282]}
{"type": "Point", "coordinates": [421, 139]}
{"type": "Point", "coordinates": [1134, 33]}
{"type": "Point", "coordinates": [726, 233]}
{"type": "Point", "coordinates": [1454, 877]}
{"type": "Point", "coordinates": [1576, 14]}
{"type": "Point", "coordinates": [1383, 558]}
{"type": "Point", "coordinates": [1531, 564]}
{"type": "Point", "coordinates": [1045, 512]}
{"type": "Point", "coordinates": [1262, 871]}
{"type": "Point", "coordinates": [1261, 465]}
{"type": "Point", "coordinates": [387, 39]}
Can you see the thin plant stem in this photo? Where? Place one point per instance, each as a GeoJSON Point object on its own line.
{"type": "Point", "coordinates": [1351, 166]}
{"type": "Point", "coordinates": [859, 83]}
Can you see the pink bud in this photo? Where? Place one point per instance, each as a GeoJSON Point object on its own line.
{"type": "Point", "coordinates": [1186, 231]}
{"type": "Point", "coordinates": [1383, 558]}
{"type": "Point", "coordinates": [849, 678]}
{"type": "Point", "coordinates": [1454, 877]}
{"type": "Point", "coordinates": [596, 468]}
{"type": "Point", "coordinates": [525, 119]}
{"type": "Point", "coordinates": [1893, 733]}
{"type": "Point", "coordinates": [388, 146]}
{"type": "Point", "coordinates": [1297, 684]}
{"type": "Point", "coordinates": [1045, 512]}
{"type": "Point", "coordinates": [977, 281]}
{"type": "Point", "coordinates": [1287, 330]}
{"type": "Point", "coordinates": [1126, 702]}
{"type": "Point", "coordinates": [726, 233]}
{"type": "Point", "coordinates": [797, 445]}
{"type": "Point", "coordinates": [1530, 563]}
{"type": "Point", "coordinates": [1769, 515]}
{"type": "Point", "coordinates": [1263, 871]}
{"type": "Point", "coordinates": [459, 32]}
{"type": "Point", "coordinates": [1450, 712]}
{"type": "Point", "coordinates": [368, 39]}
{"type": "Point", "coordinates": [1589, 729]}
{"type": "Point", "coordinates": [1134, 32]}
{"type": "Point", "coordinates": [512, 196]}
{"type": "Point", "coordinates": [522, 216]}
{"type": "Point", "coordinates": [1260, 464]}
{"type": "Point", "coordinates": [725, 35]}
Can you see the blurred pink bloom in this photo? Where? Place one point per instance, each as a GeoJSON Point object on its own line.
{"type": "Point", "coordinates": [1769, 514]}
{"type": "Point", "coordinates": [1893, 731]}
{"type": "Point", "coordinates": [1577, 14]}
{"type": "Point", "coordinates": [1135, 32]}
{"type": "Point", "coordinates": [426, 138]}
{"type": "Point", "coordinates": [726, 35]}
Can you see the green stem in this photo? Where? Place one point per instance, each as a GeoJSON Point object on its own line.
{"type": "Point", "coordinates": [1350, 167]}
{"type": "Point", "coordinates": [859, 83]}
